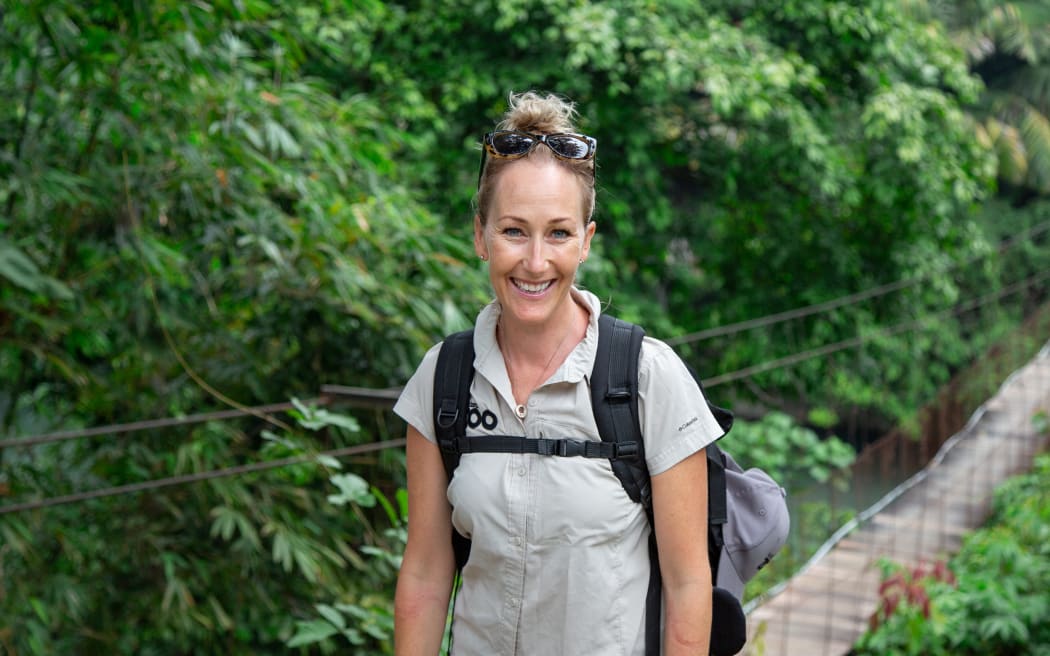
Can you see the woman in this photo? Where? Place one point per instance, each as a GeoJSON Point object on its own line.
{"type": "Point", "coordinates": [559, 561]}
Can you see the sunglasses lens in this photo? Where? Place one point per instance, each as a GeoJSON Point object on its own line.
{"type": "Point", "coordinates": [568, 147]}
{"type": "Point", "coordinates": [511, 143]}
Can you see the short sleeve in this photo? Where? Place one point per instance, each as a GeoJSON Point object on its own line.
{"type": "Point", "coordinates": [674, 416]}
{"type": "Point", "coordinates": [416, 403]}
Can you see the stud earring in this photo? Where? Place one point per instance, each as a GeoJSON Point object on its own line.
{"type": "Point", "coordinates": [484, 258]}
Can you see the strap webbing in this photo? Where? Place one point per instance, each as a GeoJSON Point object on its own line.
{"type": "Point", "coordinates": [455, 371]}
{"type": "Point", "coordinates": [563, 447]}
{"type": "Point", "coordinates": [614, 398]}
{"type": "Point", "coordinates": [717, 508]}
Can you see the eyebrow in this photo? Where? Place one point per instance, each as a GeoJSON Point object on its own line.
{"type": "Point", "coordinates": [518, 219]}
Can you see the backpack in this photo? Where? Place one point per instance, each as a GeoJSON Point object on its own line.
{"type": "Point", "coordinates": [747, 511]}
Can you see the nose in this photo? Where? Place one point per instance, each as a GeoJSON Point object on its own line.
{"type": "Point", "coordinates": [536, 256]}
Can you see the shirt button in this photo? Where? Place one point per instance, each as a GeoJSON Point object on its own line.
{"type": "Point", "coordinates": [532, 403]}
{"type": "Point", "coordinates": [515, 541]}
{"type": "Point", "coordinates": [521, 472]}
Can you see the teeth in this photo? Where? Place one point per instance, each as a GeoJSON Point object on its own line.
{"type": "Point", "coordinates": [532, 289]}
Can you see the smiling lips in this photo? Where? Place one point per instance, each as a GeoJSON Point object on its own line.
{"type": "Point", "coordinates": [532, 288]}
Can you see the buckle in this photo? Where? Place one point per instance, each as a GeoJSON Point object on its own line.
{"type": "Point", "coordinates": [570, 448]}
{"type": "Point", "coordinates": [455, 444]}
{"type": "Point", "coordinates": [625, 449]}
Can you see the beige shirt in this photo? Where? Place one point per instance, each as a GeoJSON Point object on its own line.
{"type": "Point", "coordinates": [559, 562]}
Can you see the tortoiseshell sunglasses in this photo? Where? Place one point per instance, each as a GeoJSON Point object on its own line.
{"type": "Point", "coordinates": [511, 144]}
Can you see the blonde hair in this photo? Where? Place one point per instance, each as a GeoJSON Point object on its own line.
{"type": "Point", "coordinates": [540, 114]}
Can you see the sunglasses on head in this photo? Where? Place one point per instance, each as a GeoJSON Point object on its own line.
{"type": "Point", "coordinates": [512, 144]}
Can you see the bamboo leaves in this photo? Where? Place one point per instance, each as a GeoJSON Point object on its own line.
{"type": "Point", "coordinates": [22, 272]}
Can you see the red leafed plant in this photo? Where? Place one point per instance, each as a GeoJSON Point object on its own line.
{"type": "Point", "coordinates": [903, 584]}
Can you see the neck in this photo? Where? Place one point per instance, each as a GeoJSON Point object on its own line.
{"type": "Point", "coordinates": [531, 356]}
{"type": "Point", "coordinates": [535, 343]}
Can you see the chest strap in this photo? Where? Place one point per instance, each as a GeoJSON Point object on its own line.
{"type": "Point", "coordinates": [566, 448]}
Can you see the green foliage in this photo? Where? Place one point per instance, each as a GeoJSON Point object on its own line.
{"type": "Point", "coordinates": [1002, 596]}
{"type": "Point", "coordinates": [210, 204]}
{"type": "Point", "coordinates": [753, 158]}
{"type": "Point", "coordinates": [1007, 45]}
{"type": "Point", "coordinates": [147, 575]}
{"type": "Point", "coordinates": [791, 454]}
{"type": "Point", "coordinates": [190, 218]}
{"type": "Point", "coordinates": [230, 201]}
{"type": "Point", "coordinates": [1041, 423]}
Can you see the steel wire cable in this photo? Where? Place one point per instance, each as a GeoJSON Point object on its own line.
{"type": "Point", "coordinates": [150, 424]}
{"type": "Point", "coordinates": [849, 299]}
{"type": "Point", "coordinates": [197, 477]}
{"type": "Point", "coordinates": [906, 326]}
{"type": "Point", "coordinates": [397, 443]}
{"type": "Point", "coordinates": [382, 397]}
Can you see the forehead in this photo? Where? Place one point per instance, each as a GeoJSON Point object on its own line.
{"type": "Point", "coordinates": [538, 185]}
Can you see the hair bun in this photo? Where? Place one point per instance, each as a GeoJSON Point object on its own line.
{"type": "Point", "coordinates": [543, 114]}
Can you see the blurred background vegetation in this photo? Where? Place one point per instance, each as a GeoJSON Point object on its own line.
{"type": "Point", "coordinates": [231, 203]}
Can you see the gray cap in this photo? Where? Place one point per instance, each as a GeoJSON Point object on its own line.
{"type": "Point", "coordinates": [757, 526]}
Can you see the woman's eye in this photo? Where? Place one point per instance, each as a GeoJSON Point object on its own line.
{"type": "Point", "coordinates": [560, 234]}
{"type": "Point", "coordinates": [513, 232]}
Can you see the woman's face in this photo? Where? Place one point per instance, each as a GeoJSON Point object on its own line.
{"type": "Point", "coordinates": [534, 239]}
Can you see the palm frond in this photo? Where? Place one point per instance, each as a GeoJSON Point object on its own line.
{"type": "Point", "coordinates": [1006, 25]}
{"type": "Point", "coordinates": [1035, 132]}
{"type": "Point", "coordinates": [1033, 84]}
{"type": "Point", "coordinates": [1009, 150]}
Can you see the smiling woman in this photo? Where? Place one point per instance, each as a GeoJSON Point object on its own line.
{"type": "Point", "coordinates": [533, 225]}
{"type": "Point", "coordinates": [534, 241]}
{"type": "Point", "coordinates": [559, 556]}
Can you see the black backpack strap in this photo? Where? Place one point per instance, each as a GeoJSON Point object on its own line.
{"type": "Point", "coordinates": [614, 399]}
{"type": "Point", "coordinates": [717, 510]}
{"type": "Point", "coordinates": [452, 378]}
{"type": "Point", "coordinates": [561, 447]}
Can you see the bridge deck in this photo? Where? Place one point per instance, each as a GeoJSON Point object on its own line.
{"type": "Point", "coordinates": [824, 609]}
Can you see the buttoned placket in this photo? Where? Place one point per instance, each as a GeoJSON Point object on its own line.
{"type": "Point", "coordinates": [521, 502]}
{"type": "Point", "coordinates": [519, 480]}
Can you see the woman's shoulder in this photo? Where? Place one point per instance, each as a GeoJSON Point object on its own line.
{"type": "Point", "coordinates": [428, 364]}
{"type": "Point", "coordinates": [415, 404]}
{"type": "Point", "coordinates": [656, 354]}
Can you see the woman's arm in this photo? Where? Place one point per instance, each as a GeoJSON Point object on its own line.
{"type": "Point", "coordinates": [425, 580]}
{"type": "Point", "coordinates": [680, 515]}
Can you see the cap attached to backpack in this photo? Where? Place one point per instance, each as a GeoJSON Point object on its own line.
{"type": "Point", "coordinates": [757, 527]}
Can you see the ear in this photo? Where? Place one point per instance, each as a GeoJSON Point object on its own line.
{"type": "Point", "coordinates": [588, 234]}
{"type": "Point", "coordinates": [479, 238]}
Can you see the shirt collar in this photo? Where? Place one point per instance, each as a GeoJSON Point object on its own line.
{"type": "Point", "coordinates": [489, 361]}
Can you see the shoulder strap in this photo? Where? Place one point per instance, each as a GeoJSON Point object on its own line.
{"type": "Point", "coordinates": [614, 397]}
{"type": "Point", "coordinates": [614, 400]}
{"type": "Point", "coordinates": [717, 503]}
{"type": "Point", "coordinates": [717, 507]}
{"type": "Point", "coordinates": [452, 378]}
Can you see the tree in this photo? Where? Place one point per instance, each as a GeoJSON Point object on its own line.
{"type": "Point", "coordinates": [191, 222]}
{"type": "Point", "coordinates": [752, 158]}
{"type": "Point", "coordinates": [1008, 45]}
{"type": "Point", "coordinates": [215, 204]}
